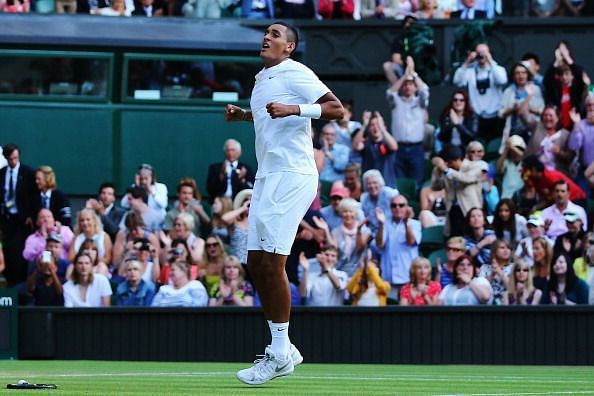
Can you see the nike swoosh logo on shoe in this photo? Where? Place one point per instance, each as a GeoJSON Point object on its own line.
{"type": "Point", "coordinates": [279, 369]}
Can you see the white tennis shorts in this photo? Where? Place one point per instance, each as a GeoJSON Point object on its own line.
{"type": "Point", "coordinates": [279, 202]}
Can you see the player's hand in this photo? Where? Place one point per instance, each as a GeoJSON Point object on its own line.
{"type": "Point", "coordinates": [279, 110]}
{"type": "Point", "coordinates": [233, 113]}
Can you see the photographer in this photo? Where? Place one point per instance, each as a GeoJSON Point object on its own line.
{"type": "Point", "coordinates": [484, 79]}
{"type": "Point", "coordinates": [178, 252]}
{"type": "Point", "coordinates": [47, 274]}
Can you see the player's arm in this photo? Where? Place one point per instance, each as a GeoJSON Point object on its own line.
{"type": "Point", "coordinates": [328, 107]}
{"type": "Point", "coordinates": [236, 113]}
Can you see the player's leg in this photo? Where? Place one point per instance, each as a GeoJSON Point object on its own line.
{"type": "Point", "coordinates": [271, 282]}
{"type": "Point", "coordinates": [278, 205]}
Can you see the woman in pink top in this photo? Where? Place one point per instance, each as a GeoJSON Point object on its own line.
{"type": "Point", "coordinates": [421, 290]}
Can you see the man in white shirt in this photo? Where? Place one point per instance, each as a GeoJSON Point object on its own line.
{"type": "Point", "coordinates": [408, 98]}
{"type": "Point", "coordinates": [553, 216]}
{"type": "Point", "coordinates": [485, 80]}
{"type": "Point", "coordinates": [323, 288]}
{"type": "Point", "coordinates": [286, 96]}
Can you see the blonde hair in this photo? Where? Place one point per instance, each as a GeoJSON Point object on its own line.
{"type": "Point", "coordinates": [133, 262]}
{"type": "Point", "coordinates": [226, 206]}
{"type": "Point", "coordinates": [187, 219]}
{"type": "Point", "coordinates": [529, 283]}
{"type": "Point", "coordinates": [457, 240]}
{"type": "Point", "coordinates": [348, 204]}
{"type": "Point", "coordinates": [49, 176]}
{"type": "Point", "coordinates": [233, 261]}
{"type": "Point", "coordinates": [475, 144]}
{"type": "Point", "coordinates": [223, 256]}
{"type": "Point", "coordinates": [548, 255]}
{"type": "Point", "coordinates": [417, 263]}
{"type": "Point", "coordinates": [94, 216]}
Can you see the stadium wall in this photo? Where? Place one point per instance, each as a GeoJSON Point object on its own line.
{"type": "Point", "coordinates": [392, 335]}
{"type": "Point", "coordinates": [88, 143]}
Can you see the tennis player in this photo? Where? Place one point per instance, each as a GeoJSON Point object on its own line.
{"type": "Point", "coordinates": [286, 96]}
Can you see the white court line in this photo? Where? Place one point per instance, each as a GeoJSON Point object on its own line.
{"type": "Point", "coordinates": [411, 377]}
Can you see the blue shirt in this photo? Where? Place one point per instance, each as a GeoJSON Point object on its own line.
{"type": "Point", "coordinates": [368, 205]}
{"type": "Point", "coordinates": [334, 168]}
{"type": "Point", "coordinates": [142, 297]}
{"type": "Point", "coordinates": [333, 218]}
{"type": "Point", "coordinates": [397, 253]}
{"type": "Point", "coordinates": [484, 254]}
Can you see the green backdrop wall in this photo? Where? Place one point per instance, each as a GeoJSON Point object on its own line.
{"type": "Point", "coordinates": [89, 144]}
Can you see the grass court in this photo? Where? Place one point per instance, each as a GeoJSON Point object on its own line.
{"type": "Point", "coordinates": [164, 378]}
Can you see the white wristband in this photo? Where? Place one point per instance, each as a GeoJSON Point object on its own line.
{"type": "Point", "coordinates": [310, 110]}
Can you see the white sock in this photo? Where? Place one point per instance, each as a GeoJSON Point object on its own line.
{"type": "Point", "coordinates": [281, 344]}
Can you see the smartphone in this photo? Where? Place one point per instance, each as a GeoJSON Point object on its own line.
{"type": "Point", "coordinates": [46, 256]}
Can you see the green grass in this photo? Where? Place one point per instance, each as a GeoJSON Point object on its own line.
{"type": "Point", "coordinates": [150, 378]}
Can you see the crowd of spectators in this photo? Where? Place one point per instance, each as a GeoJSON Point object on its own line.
{"type": "Point", "coordinates": [306, 9]}
{"type": "Point", "coordinates": [486, 205]}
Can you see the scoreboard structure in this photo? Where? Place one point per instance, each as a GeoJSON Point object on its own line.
{"type": "Point", "coordinates": [8, 324]}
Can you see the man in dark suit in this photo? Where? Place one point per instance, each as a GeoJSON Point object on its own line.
{"type": "Point", "coordinates": [50, 197]}
{"type": "Point", "coordinates": [17, 193]}
{"type": "Point", "coordinates": [105, 207]}
{"type": "Point", "coordinates": [229, 177]}
{"type": "Point", "coordinates": [468, 11]}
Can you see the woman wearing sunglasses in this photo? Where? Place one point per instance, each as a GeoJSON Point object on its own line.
{"type": "Point", "coordinates": [521, 290]}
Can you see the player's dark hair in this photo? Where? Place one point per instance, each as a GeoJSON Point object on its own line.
{"type": "Point", "coordinates": [292, 33]}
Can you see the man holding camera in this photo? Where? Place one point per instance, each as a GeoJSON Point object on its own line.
{"type": "Point", "coordinates": [484, 79]}
{"type": "Point", "coordinates": [48, 273]}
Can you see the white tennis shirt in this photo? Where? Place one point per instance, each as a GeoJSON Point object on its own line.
{"type": "Point", "coordinates": [284, 144]}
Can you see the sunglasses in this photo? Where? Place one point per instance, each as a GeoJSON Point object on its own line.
{"type": "Point", "coordinates": [476, 151]}
{"type": "Point", "coordinates": [211, 244]}
{"type": "Point", "coordinates": [458, 100]}
{"type": "Point", "coordinates": [453, 249]}
{"type": "Point", "coordinates": [397, 205]}
{"type": "Point", "coordinates": [522, 270]}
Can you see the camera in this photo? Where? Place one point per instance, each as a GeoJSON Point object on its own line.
{"type": "Point", "coordinates": [177, 251]}
{"type": "Point", "coordinates": [46, 256]}
{"type": "Point", "coordinates": [480, 56]}
{"type": "Point", "coordinates": [482, 85]}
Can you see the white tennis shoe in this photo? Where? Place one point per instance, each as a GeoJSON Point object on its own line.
{"type": "Point", "coordinates": [266, 368]}
{"type": "Point", "coordinates": [296, 356]}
